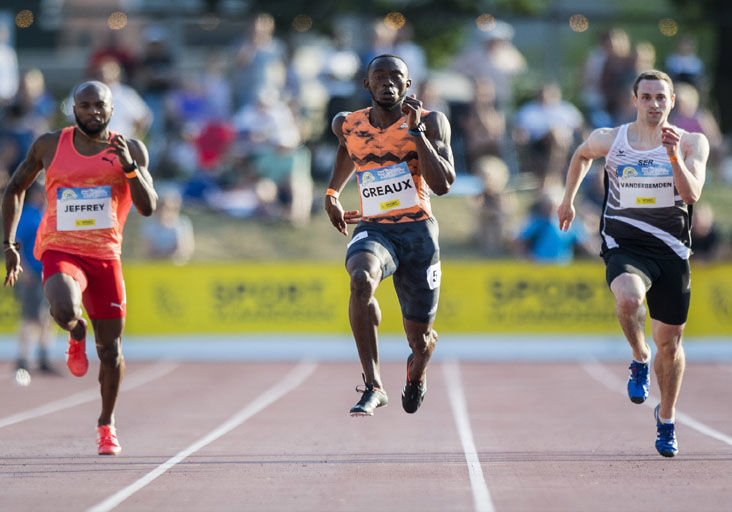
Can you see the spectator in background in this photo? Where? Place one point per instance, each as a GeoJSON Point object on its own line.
{"type": "Point", "coordinates": [617, 75]}
{"type": "Point", "coordinates": [688, 115]}
{"type": "Point", "coordinates": [484, 126]}
{"type": "Point", "coordinates": [186, 105]}
{"type": "Point", "coordinates": [168, 235]}
{"type": "Point", "coordinates": [684, 65]}
{"type": "Point", "coordinates": [413, 54]}
{"type": "Point", "coordinates": [432, 99]}
{"type": "Point", "coordinates": [381, 41]}
{"type": "Point", "coordinates": [592, 94]}
{"type": "Point", "coordinates": [267, 135]}
{"type": "Point", "coordinates": [16, 135]}
{"type": "Point", "coordinates": [494, 57]}
{"type": "Point", "coordinates": [36, 326]}
{"type": "Point", "coordinates": [541, 239]}
{"type": "Point", "coordinates": [217, 90]}
{"type": "Point", "coordinates": [259, 62]}
{"type": "Point", "coordinates": [9, 74]}
{"type": "Point", "coordinates": [544, 132]}
{"type": "Point", "coordinates": [496, 207]}
{"type": "Point", "coordinates": [156, 77]}
{"type": "Point", "coordinates": [39, 103]}
{"type": "Point", "coordinates": [113, 47]}
{"type": "Point", "coordinates": [643, 58]}
{"type": "Point", "coordinates": [706, 241]}
{"type": "Point", "coordinates": [341, 64]}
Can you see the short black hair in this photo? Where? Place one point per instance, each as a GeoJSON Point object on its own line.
{"type": "Point", "coordinates": [653, 74]}
{"type": "Point", "coordinates": [385, 56]}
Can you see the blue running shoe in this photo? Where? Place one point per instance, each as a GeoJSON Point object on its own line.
{"type": "Point", "coordinates": [666, 443]}
{"type": "Point", "coordinates": [638, 382]}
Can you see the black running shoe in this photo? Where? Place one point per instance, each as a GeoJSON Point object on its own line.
{"type": "Point", "coordinates": [371, 398]}
{"type": "Point", "coordinates": [413, 392]}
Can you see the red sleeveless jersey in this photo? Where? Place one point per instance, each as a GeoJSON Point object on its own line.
{"type": "Point", "coordinates": [391, 185]}
{"type": "Point", "coordinates": [88, 203]}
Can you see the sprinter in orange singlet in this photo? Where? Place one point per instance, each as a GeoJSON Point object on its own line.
{"type": "Point", "coordinates": [93, 176]}
{"type": "Point", "coordinates": [399, 153]}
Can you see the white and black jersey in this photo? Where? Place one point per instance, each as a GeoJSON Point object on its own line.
{"type": "Point", "coordinates": [642, 209]}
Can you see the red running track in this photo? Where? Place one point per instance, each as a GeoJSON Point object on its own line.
{"type": "Point", "coordinates": [277, 436]}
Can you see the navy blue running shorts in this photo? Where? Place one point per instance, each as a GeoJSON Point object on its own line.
{"type": "Point", "coordinates": [409, 251]}
{"type": "Point", "coordinates": [668, 282]}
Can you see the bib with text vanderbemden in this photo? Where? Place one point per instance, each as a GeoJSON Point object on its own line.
{"type": "Point", "coordinates": [79, 209]}
{"type": "Point", "coordinates": [646, 186]}
{"type": "Point", "coordinates": [385, 189]}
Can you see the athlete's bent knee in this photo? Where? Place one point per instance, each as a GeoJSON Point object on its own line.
{"type": "Point", "coordinates": [629, 303]}
{"type": "Point", "coordinates": [423, 342]}
{"type": "Point", "coordinates": [110, 355]}
{"type": "Point", "coordinates": [64, 315]}
{"type": "Point", "coordinates": [362, 283]}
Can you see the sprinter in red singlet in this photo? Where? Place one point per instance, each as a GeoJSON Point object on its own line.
{"type": "Point", "coordinates": [399, 153]}
{"type": "Point", "coordinates": [93, 176]}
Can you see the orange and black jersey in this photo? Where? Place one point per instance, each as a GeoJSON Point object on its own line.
{"type": "Point", "coordinates": [383, 151]}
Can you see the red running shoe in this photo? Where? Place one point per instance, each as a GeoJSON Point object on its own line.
{"type": "Point", "coordinates": [107, 440]}
{"type": "Point", "coordinates": [76, 354]}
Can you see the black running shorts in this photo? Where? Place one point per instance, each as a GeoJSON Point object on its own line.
{"type": "Point", "coordinates": [668, 282]}
{"type": "Point", "coordinates": [410, 252]}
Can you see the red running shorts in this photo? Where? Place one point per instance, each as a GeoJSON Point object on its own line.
{"type": "Point", "coordinates": [101, 281]}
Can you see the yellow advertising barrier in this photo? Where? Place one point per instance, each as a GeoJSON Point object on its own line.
{"type": "Point", "coordinates": [485, 297]}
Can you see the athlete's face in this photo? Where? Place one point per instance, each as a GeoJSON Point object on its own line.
{"type": "Point", "coordinates": [387, 82]}
{"type": "Point", "coordinates": [92, 110]}
{"type": "Point", "coordinates": [654, 101]}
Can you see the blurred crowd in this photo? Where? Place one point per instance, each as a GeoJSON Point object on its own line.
{"type": "Point", "coordinates": [248, 135]}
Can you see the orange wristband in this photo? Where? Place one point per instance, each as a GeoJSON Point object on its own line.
{"type": "Point", "coordinates": [332, 192]}
{"type": "Point", "coordinates": [673, 158]}
{"type": "Point", "coordinates": [131, 174]}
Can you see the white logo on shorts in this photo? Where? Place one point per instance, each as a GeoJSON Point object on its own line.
{"type": "Point", "coordinates": [434, 275]}
{"type": "Point", "coordinates": [115, 305]}
{"type": "Point", "coordinates": [356, 238]}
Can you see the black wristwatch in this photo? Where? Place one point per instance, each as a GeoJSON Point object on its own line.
{"type": "Point", "coordinates": [131, 168]}
{"type": "Point", "coordinates": [420, 128]}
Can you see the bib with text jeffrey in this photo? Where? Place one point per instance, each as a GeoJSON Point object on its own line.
{"type": "Point", "coordinates": [646, 186]}
{"type": "Point", "coordinates": [85, 208]}
{"type": "Point", "coordinates": [385, 189]}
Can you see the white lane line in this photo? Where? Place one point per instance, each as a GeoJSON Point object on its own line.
{"type": "Point", "coordinates": [601, 374]}
{"type": "Point", "coordinates": [481, 495]}
{"type": "Point", "coordinates": [293, 379]}
{"type": "Point", "coordinates": [133, 381]}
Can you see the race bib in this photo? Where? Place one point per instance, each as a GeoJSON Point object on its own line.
{"type": "Point", "coordinates": [646, 186]}
{"type": "Point", "coordinates": [385, 189]}
{"type": "Point", "coordinates": [79, 209]}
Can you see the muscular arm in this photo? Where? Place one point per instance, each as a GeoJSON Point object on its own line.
{"type": "Point", "coordinates": [342, 171]}
{"type": "Point", "coordinates": [22, 178]}
{"type": "Point", "coordinates": [435, 155]}
{"type": "Point", "coordinates": [12, 202]}
{"type": "Point", "coordinates": [690, 169]}
{"type": "Point", "coordinates": [142, 191]}
{"type": "Point", "coordinates": [597, 145]}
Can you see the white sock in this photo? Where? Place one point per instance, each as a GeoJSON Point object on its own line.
{"type": "Point", "coordinates": [665, 420]}
{"type": "Point", "coordinates": [643, 362]}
